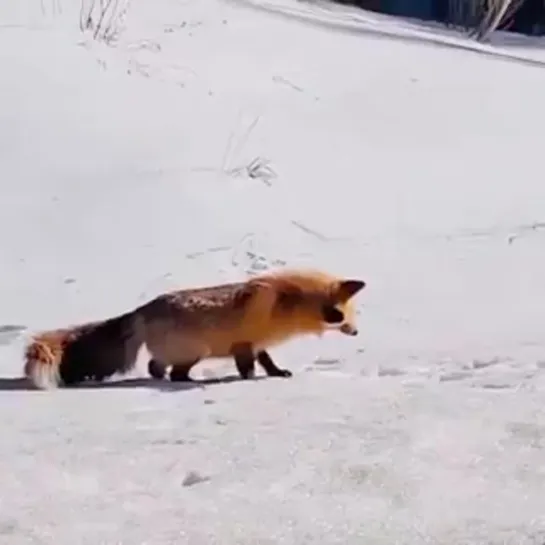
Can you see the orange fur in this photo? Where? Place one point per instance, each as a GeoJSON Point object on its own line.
{"type": "Point", "coordinates": [266, 324]}
{"type": "Point", "coordinates": [42, 359]}
{"type": "Point", "coordinates": [180, 328]}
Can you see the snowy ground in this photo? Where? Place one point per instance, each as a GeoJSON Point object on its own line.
{"type": "Point", "coordinates": [125, 172]}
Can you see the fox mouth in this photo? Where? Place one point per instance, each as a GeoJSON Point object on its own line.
{"type": "Point", "coordinates": [348, 329]}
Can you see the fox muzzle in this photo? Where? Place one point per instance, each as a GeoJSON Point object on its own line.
{"type": "Point", "coordinates": [348, 329]}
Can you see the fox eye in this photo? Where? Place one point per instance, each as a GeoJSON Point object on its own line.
{"type": "Point", "coordinates": [332, 315]}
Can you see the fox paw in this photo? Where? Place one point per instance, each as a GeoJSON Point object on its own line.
{"type": "Point", "coordinates": [179, 374]}
{"type": "Point", "coordinates": [247, 374]}
{"type": "Point", "coordinates": [156, 370]}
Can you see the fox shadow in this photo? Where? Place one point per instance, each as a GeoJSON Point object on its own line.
{"type": "Point", "coordinates": [22, 384]}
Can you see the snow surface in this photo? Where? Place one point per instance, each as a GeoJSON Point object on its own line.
{"type": "Point", "coordinates": [218, 139]}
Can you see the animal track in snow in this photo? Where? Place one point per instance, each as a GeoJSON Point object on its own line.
{"type": "Point", "coordinates": [483, 364]}
{"type": "Point", "coordinates": [327, 362]}
{"type": "Point", "coordinates": [193, 478]}
{"type": "Point", "coordinates": [391, 372]}
{"type": "Point", "coordinates": [455, 375]}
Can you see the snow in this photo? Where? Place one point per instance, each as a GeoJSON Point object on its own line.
{"type": "Point", "coordinates": [217, 139]}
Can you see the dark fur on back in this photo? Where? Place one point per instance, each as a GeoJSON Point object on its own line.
{"type": "Point", "coordinates": [210, 304]}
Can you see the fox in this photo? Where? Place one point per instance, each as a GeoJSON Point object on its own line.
{"type": "Point", "coordinates": [238, 320]}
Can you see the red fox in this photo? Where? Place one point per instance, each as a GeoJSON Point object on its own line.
{"type": "Point", "coordinates": [180, 328]}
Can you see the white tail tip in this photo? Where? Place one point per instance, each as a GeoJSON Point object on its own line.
{"type": "Point", "coordinates": [43, 376]}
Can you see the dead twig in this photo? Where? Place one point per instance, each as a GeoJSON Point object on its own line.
{"type": "Point", "coordinates": [103, 18]}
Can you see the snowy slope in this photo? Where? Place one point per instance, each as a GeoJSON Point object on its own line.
{"type": "Point", "coordinates": [124, 172]}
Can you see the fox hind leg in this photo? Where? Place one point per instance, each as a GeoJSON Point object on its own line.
{"type": "Point", "coordinates": [180, 371]}
{"type": "Point", "coordinates": [270, 367]}
{"type": "Point", "coordinates": [156, 369]}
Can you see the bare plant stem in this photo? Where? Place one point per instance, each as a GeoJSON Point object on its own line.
{"type": "Point", "coordinates": [104, 6]}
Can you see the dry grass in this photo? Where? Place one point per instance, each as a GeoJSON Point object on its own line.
{"type": "Point", "coordinates": [103, 18]}
{"type": "Point", "coordinates": [495, 13]}
{"type": "Point", "coordinates": [481, 17]}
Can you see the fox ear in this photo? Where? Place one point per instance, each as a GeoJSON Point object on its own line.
{"type": "Point", "coordinates": [346, 289]}
{"type": "Point", "coordinates": [332, 315]}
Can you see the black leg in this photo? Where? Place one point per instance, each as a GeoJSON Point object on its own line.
{"type": "Point", "coordinates": [180, 372]}
{"type": "Point", "coordinates": [244, 360]}
{"type": "Point", "coordinates": [156, 369]}
{"type": "Point", "coordinates": [270, 367]}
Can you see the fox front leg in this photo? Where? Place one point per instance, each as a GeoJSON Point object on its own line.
{"type": "Point", "coordinates": [270, 367]}
{"type": "Point", "coordinates": [244, 360]}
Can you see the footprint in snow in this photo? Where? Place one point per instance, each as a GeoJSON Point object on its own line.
{"type": "Point", "coordinates": [327, 363]}
{"type": "Point", "coordinates": [193, 477]}
{"type": "Point", "coordinates": [390, 372]}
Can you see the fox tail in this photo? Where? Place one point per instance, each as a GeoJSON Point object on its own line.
{"type": "Point", "coordinates": [94, 350]}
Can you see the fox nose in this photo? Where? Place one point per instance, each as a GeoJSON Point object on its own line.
{"type": "Point", "coordinates": [348, 329]}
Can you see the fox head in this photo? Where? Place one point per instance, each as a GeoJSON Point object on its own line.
{"type": "Point", "coordinates": [338, 310]}
{"type": "Point", "coordinates": [313, 301]}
